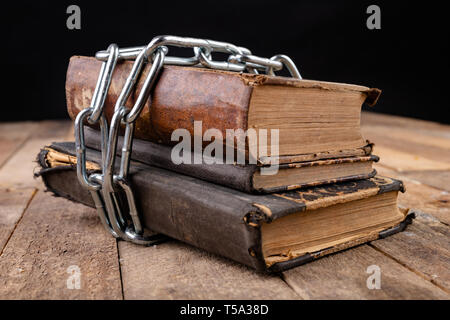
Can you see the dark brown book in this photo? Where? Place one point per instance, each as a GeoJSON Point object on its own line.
{"type": "Point", "coordinates": [248, 177]}
{"type": "Point", "coordinates": [266, 232]}
{"type": "Point", "coordinates": [311, 116]}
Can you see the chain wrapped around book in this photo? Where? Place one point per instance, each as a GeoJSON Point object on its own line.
{"type": "Point", "coordinates": [104, 186]}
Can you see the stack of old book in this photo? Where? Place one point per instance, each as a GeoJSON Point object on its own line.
{"type": "Point", "coordinates": [310, 191]}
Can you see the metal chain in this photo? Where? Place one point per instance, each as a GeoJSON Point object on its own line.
{"type": "Point", "coordinates": [106, 187]}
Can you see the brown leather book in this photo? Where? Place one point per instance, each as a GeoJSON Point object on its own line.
{"type": "Point", "coordinates": [316, 170]}
{"type": "Point", "coordinates": [267, 232]}
{"type": "Point", "coordinates": [311, 116]}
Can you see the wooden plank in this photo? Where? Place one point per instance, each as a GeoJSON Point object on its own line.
{"type": "Point", "coordinates": [12, 205]}
{"type": "Point", "coordinates": [404, 161]}
{"type": "Point", "coordinates": [436, 178]}
{"type": "Point", "coordinates": [7, 148]}
{"type": "Point", "coordinates": [427, 171]}
{"type": "Point", "coordinates": [415, 143]}
{"type": "Point", "coordinates": [18, 169]}
{"type": "Point", "coordinates": [177, 271]}
{"type": "Point", "coordinates": [424, 248]}
{"type": "Point", "coordinates": [391, 121]}
{"type": "Point", "coordinates": [174, 270]}
{"type": "Point", "coordinates": [53, 235]}
{"type": "Point", "coordinates": [412, 129]}
{"type": "Point", "coordinates": [12, 137]}
{"type": "Point", "coordinates": [418, 149]}
{"type": "Point", "coordinates": [419, 152]}
{"type": "Point", "coordinates": [344, 276]}
{"type": "Point", "coordinates": [421, 196]}
{"type": "Point", "coordinates": [433, 223]}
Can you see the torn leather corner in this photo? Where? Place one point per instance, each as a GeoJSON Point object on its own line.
{"type": "Point", "coordinates": [368, 148]}
{"type": "Point", "coordinates": [402, 187]}
{"type": "Point", "coordinates": [253, 80]}
{"type": "Point", "coordinates": [40, 160]}
{"type": "Point", "coordinates": [373, 95]}
{"type": "Point", "coordinates": [261, 214]}
{"type": "Point", "coordinates": [254, 219]}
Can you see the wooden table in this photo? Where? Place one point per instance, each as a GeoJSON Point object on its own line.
{"type": "Point", "coordinates": [41, 236]}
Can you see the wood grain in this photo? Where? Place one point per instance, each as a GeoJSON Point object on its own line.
{"type": "Point", "coordinates": [419, 154]}
{"type": "Point", "coordinates": [423, 249]}
{"type": "Point", "coordinates": [53, 235]}
{"type": "Point", "coordinates": [344, 276]}
{"type": "Point", "coordinates": [422, 141]}
{"type": "Point", "coordinates": [406, 161]}
{"type": "Point", "coordinates": [12, 137]}
{"type": "Point", "coordinates": [436, 178]}
{"type": "Point", "coordinates": [40, 238]}
{"type": "Point", "coordinates": [174, 270]}
{"type": "Point", "coordinates": [390, 121]}
{"type": "Point", "coordinates": [418, 149]}
{"type": "Point", "coordinates": [431, 172]}
{"type": "Point", "coordinates": [18, 170]}
{"type": "Point", "coordinates": [421, 196]}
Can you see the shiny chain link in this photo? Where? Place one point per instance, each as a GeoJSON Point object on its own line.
{"type": "Point", "coordinates": [105, 187]}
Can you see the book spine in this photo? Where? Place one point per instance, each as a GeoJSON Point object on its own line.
{"type": "Point", "coordinates": [235, 176]}
{"type": "Point", "coordinates": [181, 96]}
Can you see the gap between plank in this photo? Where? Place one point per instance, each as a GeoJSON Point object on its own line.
{"type": "Point", "coordinates": [35, 190]}
{"type": "Point", "coordinates": [420, 274]}
{"type": "Point", "coordinates": [24, 141]}
{"type": "Point", "coordinates": [120, 270]}
{"type": "Point", "coordinates": [294, 289]}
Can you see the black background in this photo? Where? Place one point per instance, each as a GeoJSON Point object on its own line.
{"type": "Point", "coordinates": [408, 58]}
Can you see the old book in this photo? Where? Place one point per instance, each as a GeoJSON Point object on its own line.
{"type": "Point", "coordinates": [311, 116]}
{"type": "Point", "coordinates": [267, 232]}
{"type": "Point", "coordinates": [318, 169]}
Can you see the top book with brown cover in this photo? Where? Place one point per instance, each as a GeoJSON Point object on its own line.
{"type": "Point", "coordinates": [312, 117]}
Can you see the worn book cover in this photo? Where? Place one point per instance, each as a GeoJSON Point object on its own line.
{"type": "Point", "coordinates": [316, 170]}
{"type": "Point", "coordinates": [267, 232]}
